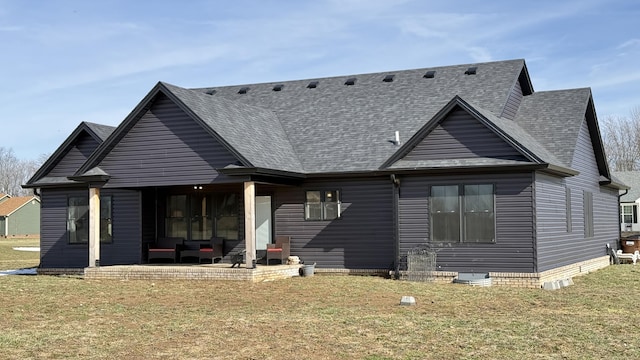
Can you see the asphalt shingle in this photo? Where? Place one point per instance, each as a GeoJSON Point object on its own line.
{"type": "Point", "coordinates": [631, 179]}
{"type": "Point", "coordinates": [336, 127]}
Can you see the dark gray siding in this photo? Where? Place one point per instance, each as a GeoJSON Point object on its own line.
{"type": "Point", "coordinates": [556, 246]}
{"type": "Point", "coordinates": [513, 102]}
{"type": "Point", "coordinates": [76, 156]}
{"type": "Point", "coordinates": [55, 250]}
{"type": "Point", "coordinates": [461, 136]}
{"type": "Point", "coordinates": [513, 250]}
{"type": "Point", "coordinates": [152, 215]}
{"type": "Point", "coordinates": [361, 239]}
{"type": "Point", "coordinates": [165, 147]}
{"type": "Point", "coordinates": [127, 229]}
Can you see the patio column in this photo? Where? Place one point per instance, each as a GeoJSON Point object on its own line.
{"type": "Point", "coordinates": [94, 227]}
{"type": "Point", "coordinates": [250, 222]}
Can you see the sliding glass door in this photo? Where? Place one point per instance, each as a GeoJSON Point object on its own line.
{"type": "Point", "coordinates": [192, 216]}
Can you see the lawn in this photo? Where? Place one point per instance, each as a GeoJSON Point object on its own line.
{"type": "Point", "coordinates": [319, 317]}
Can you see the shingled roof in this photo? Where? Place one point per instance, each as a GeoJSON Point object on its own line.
{"type": "Point", "coordinates": [98, 132]}
{"type": "Point", "coordinates": [348, 123]}
{"type": "Point", "coordinates": [12, 204]}
{"type": "Point", "coordinates": [335, 127]}
{"type": "Point", "coordinates": [632, 179]}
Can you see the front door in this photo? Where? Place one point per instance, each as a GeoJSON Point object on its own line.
{"type": "Point", "coordinates": [263, 222]}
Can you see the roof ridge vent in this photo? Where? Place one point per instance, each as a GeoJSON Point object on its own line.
{"type": "Point", "coordinates": [429, 74]}
{"type": "Point", "coordinates": [312, 85]}
{"type": "Point", "coordinates": [210, 92]}
{"type": "Point", "coordinates": [278, 87]}
{"type": "Point", "coordinates": [388, 78]}
{"type": "Point", "coordinates": [243, 90]}
{"type": "Point", "coordinates": [350, 81]}
{"type": "Point", "coordinates": [471, 70]}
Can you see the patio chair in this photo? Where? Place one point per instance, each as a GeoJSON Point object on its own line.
{"type": "Point", "coordinates": [165, 248]}
{"type": "Point", "coordinates": [279, 250]}
{"type": "Point", "coordinates": [212, 251]}
{"type": "Point", "coordinates": [190, 250]}
{"type": "Point", "coordinates": [626, 256]}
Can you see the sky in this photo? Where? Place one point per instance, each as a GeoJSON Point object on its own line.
{"type": "Point", "coordinates": [64, 62]}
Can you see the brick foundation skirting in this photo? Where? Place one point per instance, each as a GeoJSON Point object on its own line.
{"type": "Point", "coordinates": [60, 271]}
{"type": "Point", "coordinates": [527, 280]}
{"type": "Point", "coordinates": [267, 273]}
{"type": "Point", "coordinates": [145, 272]}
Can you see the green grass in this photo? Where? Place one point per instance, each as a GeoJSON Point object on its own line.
{"type": "Point", "coordinates": [319, 317]}
{"type": "Point", "coordinates": [12, 259]}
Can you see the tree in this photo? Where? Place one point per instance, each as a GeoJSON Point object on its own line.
{"type": "Point", "coordinates": [15, 172]}
{"type": "Point", "coordinates": [621, 137]}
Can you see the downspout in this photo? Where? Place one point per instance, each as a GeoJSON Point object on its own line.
{"type": "Point", "coordinates": [626, 191]}
{"type": "Point", "coordinates": [395, 191]}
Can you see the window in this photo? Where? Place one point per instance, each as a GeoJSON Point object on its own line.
{"type": "Point", "coordinates": [629, 214]}
{"type": "Point", "coordinates": [227, 216]}
{"type": "Point", "coordinates": [463, 213]}
{"type": "Point", "coordinates": [176, 216]}
{"type": "Point", "coordinates": [322, 205]}
{"type": "Point", "coordinates": [445, 213]}
{"type": "Point", "coordinates": [106, 228]}
{"type": "Point", "coordinates": [198, 216]}
{"type": "Point", "coordinates": [201, 228]}
{"type": "Point", "coordinates": [588, 213]}
{"type": "Point", "coordinates": [78, 219]}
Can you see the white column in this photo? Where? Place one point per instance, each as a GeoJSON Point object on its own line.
{"type": "Point", "coordinates": [250, 222]}
{"type": "Point", "coordinates": [94, 226]}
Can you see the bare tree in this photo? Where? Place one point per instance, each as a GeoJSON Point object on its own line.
{"type": "Point", "coordinates": [621, 136]}
{"type": "Point", "coordinates": [14, 172]}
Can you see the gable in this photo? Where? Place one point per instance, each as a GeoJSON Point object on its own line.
{"type": "Point", "coordinates": [461, 136]}
{"type": "Point", "coordinates": [15, 203]}
{"type": "Point", "coordinates": [584, 160]}
{"type": "Point", "coordinates": [234, 123]}
{"type": "Point", "coordinates": [82, 148]}
{"type": "Point", "coordinates": [165, 146]}
{"type": "Point", "coordinates": [70, 155]}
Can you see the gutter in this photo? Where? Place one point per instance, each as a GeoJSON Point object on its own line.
{"type": "Point", "coordinates": [626, 191]}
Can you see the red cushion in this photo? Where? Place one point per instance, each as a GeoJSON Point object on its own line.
{"type": "Point", "coordinates": [274, 250]}
{"type": "Point", "coordinates": [206, 250]}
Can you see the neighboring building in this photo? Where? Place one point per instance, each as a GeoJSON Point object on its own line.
{"type": "Point", "coordinates": [20, 216]}
{"type": "Point", "coordinates": [357, 170]}
{"type": "Point", "coordinates": [629, 200]}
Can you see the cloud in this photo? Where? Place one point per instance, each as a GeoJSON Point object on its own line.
{"type": "Point", "coordinates": [631, 43]}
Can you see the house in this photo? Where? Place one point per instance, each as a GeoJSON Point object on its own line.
{"type": "Point", "coordinates": [4, 197]}
{"type": "Point", "coordinates": [19, 216]}
{"type": "Point", "coordinates": [629, 200]}
{"type": "Point", "coordinates": [466, 160]}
